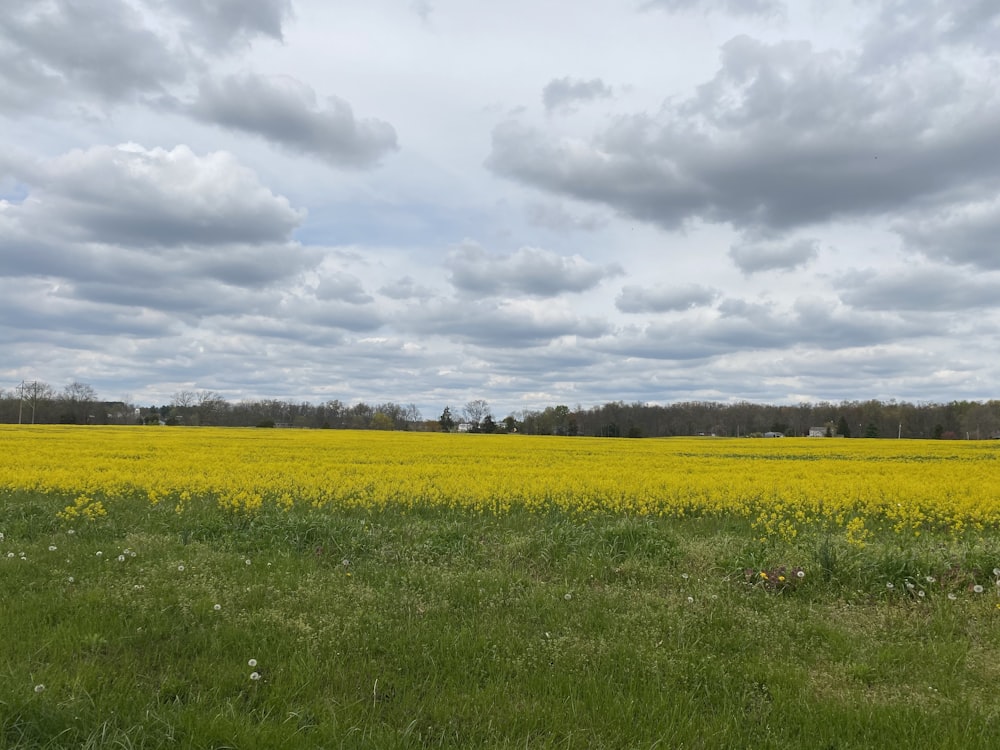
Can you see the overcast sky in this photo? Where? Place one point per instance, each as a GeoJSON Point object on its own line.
{"type": "Point", "coordinates": [529, 202]}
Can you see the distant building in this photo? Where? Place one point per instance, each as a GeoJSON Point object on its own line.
{"type": "Point", "coordinates": [463, 427]}
{"type": "Point", "coordinates": [817, 432]}
{"type": "Point", "coordinates": [774, 434]}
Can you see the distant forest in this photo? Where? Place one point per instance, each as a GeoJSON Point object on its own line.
{"type": "Point", "coordinates": [39, 403]}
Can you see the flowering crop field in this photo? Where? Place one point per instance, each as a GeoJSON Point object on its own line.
{"type": "Point", "coordinates": [784, 487]}
{"type": "Point", "coordinates": [208, 588]}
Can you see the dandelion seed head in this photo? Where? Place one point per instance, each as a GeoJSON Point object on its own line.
{"type": "Point", "coordinates": [930, 579]}
{"type": "Point", "coordinates": [252, 663]}
{"type": "Point", "coordinates": [910, 585]}
{"type": "Point", "coordinates": [180, 568]}
{"type": "Point", "coordinates": [247, 561]}
{"type": "Point", "coordinates": [71, 532]}
{"type": "Point", "coordinates": [52, 548]}
{"type": "Point", "coordinates": [71, 579]}
{"type": "Point", "coordinates": [39, 688]}
{"type": "Point", "coordinates": [690, 600]}
{"type": "Point", "coordinates": [217, 607]}
{"type": "Point", "coordinates": [952, 596]}
{"type": "Point", "coordinates": [10, 554]}
{"type": "Point", "coordinates": [801, 574]}
{"type": "Point", "coordinates": [996, 571]}
{"type": "Point", "coordinates": [977, 588]}
{"type": "Point", "coordinates": [99, 553]}
{"type": "Point", "coordinates": [890, 585]}
{"type": "Point", "coordinates": [255, 676]}
{"type": "Point", "coordinates": [685, 576]}
{"type": "Point", "coordinates": [121, 558]}
{"type": "Point", "coordinates": [568, 596]}
{"type": "Point", "coordinates": [921, 593]}
{"type": "Point", "coordinates": [345, 562]}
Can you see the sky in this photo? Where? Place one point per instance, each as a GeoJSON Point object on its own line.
{"type": "Point", "coordinates": [530, 202]}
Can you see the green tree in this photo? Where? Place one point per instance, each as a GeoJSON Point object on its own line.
{"type": "Point", "coordinates": [446, 421]}
{"type": "Point", "coordinates": [382, 421]}
{"type": "Point", "coordinates": [843, 428]}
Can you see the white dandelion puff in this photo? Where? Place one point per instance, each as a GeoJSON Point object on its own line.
{"type": "Point", "coordinates": [39, 688]}
{"type": "Point", "coordinates": [217, 607]}
{"type": "Point", "coordinates": [977, 588]}
{"type": "Point", "coordinates": [252, 663]}
{"type": "Point", "coordinates": [255, 676]}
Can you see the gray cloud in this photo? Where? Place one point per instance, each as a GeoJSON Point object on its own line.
{"type": "Point", "coordinates": [530, 271]}
{"type": "Point", "coordinates": [919, 289]}
{"type": "Point", "coordinates": [344, 287]}
{"type": "Point", "coordinates": [905, 29]}
{"type": "Point", "coordinates": [285, 111]}
{"type": "Point", "coordinates": [782, 136]}
{"type": "Point", "coordinates": [556, 217]}
{"type": "Point", "coordinates": [406, 288]}
{"type": "Point", "coordinates": [221, 23]}
{"type": "Point", "coordinates": [561, 94]}
{"type": "Point", "coordinates": [753, 256]}
{"type": "Point", "coordinates": [141, 197]}
{"type": "Point", "coordinates": [964, 234]}
{"type": "Point", "coordinates": [746, 327]}
{"type": "Point", "coordinates": [734, 7]}
{"type": "Point", "coordinates": [63, 48]}
{"type": "Point", "coordinates": [664, 298]}
{"type": "Point", "coordinates": [499, 324]}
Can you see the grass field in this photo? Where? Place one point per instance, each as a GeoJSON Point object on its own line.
{"type": "Point", "coordinates": [383, 618]}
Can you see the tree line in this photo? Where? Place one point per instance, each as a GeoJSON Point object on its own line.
{"type": "Point", "coordinates": [78, 403]}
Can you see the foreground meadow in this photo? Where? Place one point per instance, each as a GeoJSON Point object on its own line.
{"type": "Point", "coordinates": [260, 588]}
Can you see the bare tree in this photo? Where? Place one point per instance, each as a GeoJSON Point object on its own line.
{"type": "Point", "coordinates": [33, 394]}
{"type": "Point", "coordinates": [476, 411]}
{"type": "Point", "coordinates": [78, 403]}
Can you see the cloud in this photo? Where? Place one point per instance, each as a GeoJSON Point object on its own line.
{"type": "Point", "coordinates": [502, 323]}
{"type": "Point", "coordinates": [63, 48]}
{"type": "Point", "coordinates": [556, 217]}
{"type": "Point", "coordinates": [219, 24]}
{"type": "Point", "coordinates": [753, 256]}
{"type": "Point", "coordinates": [741, 326]}
{"type": "Point", "coordinates": [783, 136]}
{"type": "Point", "coordinates": [151, 229]}
{"type": "Point", "coordinates": [904, 29]}
{"type": "Point", "coordinates": [138, 197]}
{"type": "Point", "coordinates": [285, 111]}
{"type": "Point", "coordinates": [423, 9]}
{"type": "Point", "coordinates": [529, 271]}
{"type": "Point", "coordinates": [561, 94]}
{"type": "Point", "coordinates": [406, 288]}
{"type": "Point", "coordinates": [922, 289]}
{"type": "Point", "coordinates": [344, 287]}
{"type": "Point", "coordinates": [963, 233]}
{"type": "Point", "coordinates": [732, 7]}
{"type": "Point", "coordinates": [664, 298]}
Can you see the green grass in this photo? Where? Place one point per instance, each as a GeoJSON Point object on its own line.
{"type": "Point", "coordinates": [448, 629]}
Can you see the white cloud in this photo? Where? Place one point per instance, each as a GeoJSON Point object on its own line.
{"type": "Point", "coordinates": [670, 199]}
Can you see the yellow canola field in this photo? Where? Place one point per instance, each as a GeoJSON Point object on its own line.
{"type": "Point", "coordinates": [784, 486]}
